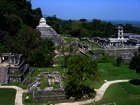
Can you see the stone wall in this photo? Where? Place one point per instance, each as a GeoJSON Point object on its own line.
{"type": "Point", "coordinates": [48, 93]}
{"type": "Point", "coordinates": [51, 91]}
{"type": "Point", "coordinates": [48, 98]}
{"type": "Point", "coordinates": [126, 54]}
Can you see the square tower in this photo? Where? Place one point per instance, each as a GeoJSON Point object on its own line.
{"type": "Point", "coordinates": [119, 32]}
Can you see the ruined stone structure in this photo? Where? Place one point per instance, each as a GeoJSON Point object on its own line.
{"type": "Point", "coordinates": [121, 40]}
{"type": "Point", "coordinates": [12, 68]}
{"type": "Point", "coordinates": [43, 95]}
{"type": "Point", "coordinates": [48, 32]}
{"type": "Point", "coordinates": [125, 53]}
{"type": "Point", "coordinates": [77, 45]}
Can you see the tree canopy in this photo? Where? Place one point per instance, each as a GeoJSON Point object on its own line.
{"type": "Point", "coordinates": [81, 71]}
{"type": "Point", "coordinates": [17, 35]}
{"type": "Point", "coordinates": [84, 28]}
{"type": "Point", "coordinates": [135, 63]}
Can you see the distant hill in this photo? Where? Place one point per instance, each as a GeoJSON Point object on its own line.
{"type": "Point", "coordinates": [134, 23]}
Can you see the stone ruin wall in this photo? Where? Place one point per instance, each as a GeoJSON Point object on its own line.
{"type": "Point", "coordinates": [34, 86]}
{"type": "Point", "coordinates": [126, 54]}
{"type": "Point", "coordinates": [19, 70]}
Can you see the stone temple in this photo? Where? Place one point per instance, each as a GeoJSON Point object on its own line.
{"type": "Point", "coordinates": [48, 32]}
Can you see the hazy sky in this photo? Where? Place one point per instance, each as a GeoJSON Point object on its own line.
{"type": "Point", "coordinates": [89, 9]}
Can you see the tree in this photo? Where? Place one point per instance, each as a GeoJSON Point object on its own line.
{"type": "Point", "coordinates": [43, 56]}
{"type": "Point", "coordinates": [13, 15]}
{"type": "Point", "coordinates": [135, 63]}
{"type": "Point", "coordinates": [118, 61]}
{"type": "Point", "coordinates": [27, 41]}
{"type": "Point", "coordinates": [81, 71]}
{"type": "Point", "coordinates": [17, 21]}
{"type": "Point", "coordinates": [3, 49]}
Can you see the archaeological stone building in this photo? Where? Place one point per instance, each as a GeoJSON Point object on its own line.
{"type": "Point", "coordinates": [48, 32]}
{"type": "Point", "coordinates": [12, 68]}
{"type": "Point", "coordinates": [123, 45]}
{"type": "Point", "coordinates": [121, 40]}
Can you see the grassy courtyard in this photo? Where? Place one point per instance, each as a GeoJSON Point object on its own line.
{"type": "Point", "coordinates": [7, 96]}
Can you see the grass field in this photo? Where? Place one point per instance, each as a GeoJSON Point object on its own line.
{"type": "Point", "coordinates": [7, 96]}
{"type": "Point", "coordinates": [110, 72]}
{"type": "Point", "coordinates": [131, 89]}
{"type": "Point", "coordinates": [120, 96]}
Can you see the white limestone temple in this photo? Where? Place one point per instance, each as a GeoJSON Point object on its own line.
{"type": "Point", "coordinates": [48, 32]}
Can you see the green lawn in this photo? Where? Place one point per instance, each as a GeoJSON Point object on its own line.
{"type": "Point", "coordinates": [117, 94]}
{"type": "Point", "coordinates": [109, 72]}
{"type": "Point", "coordinates": [44, 82]}
{"type": "Point", "coordinates": [130, 88]}
{"type": "Point", "coordinates": [7, 96]}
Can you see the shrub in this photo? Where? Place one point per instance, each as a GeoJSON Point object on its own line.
{"type": "Point", "coordinates": [135, 63]}
{"type": "Point", "coordinates": [118, 61]}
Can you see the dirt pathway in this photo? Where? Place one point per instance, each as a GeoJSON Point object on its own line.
{"type": "Point", "coordinates": [99, 93]}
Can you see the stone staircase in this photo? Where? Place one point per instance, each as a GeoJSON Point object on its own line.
{"type": "Point", "coordinates": [2, 75]}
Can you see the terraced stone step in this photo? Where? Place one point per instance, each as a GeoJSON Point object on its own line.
{"type": "Point", "coordinates": [2, 75]}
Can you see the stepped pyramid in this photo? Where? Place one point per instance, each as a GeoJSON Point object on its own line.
{"type": "Point", "coordinates": [48, 32]}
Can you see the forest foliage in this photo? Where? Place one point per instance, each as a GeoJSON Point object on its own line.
{"type": "Point", "coordinates": [18, 35]}
{"type": "Point", "coordinates": [84, 28]}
